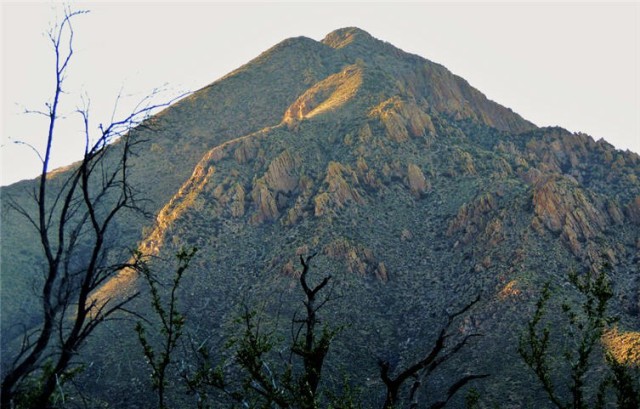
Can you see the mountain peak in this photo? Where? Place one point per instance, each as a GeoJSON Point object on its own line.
{"type": "Point", "coordinates": [414, 189]}
{"type": "Point", "coordinates": [344, 36]}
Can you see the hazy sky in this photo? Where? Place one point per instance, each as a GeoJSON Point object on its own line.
{"type": "Point", "coordinates": [575, 64]}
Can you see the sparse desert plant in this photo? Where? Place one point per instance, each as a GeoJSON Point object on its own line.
{"type": "Point", "coordinates": [170, 326]}
{"type": "Point", "coordinates": [583, 353]}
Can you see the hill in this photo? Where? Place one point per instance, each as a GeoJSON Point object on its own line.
{"type": "Point", "coordinates": [416, 190]}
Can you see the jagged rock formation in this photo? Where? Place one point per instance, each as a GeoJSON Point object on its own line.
{"type": "Point", "coordinates": [416, 191]}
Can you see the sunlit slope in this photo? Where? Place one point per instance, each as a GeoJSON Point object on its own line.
{"type": "Point", "coordinates": [248, 99]}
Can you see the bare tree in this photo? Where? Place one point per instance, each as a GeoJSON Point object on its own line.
{"type": "Point", "coordinates": [284, 384]}
{"type": "Point", "coordinates": [298, 384]}
{"type": "Point", "coordinates": [312, 350]}
{"type": "Point", "coordinates": [440, 352]}
{"type": "Point", "coordinates": [74, 220]}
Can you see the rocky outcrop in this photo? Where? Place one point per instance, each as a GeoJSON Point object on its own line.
{"type": "Point", "coordinates": [358, 259]}
{"type": "Point", "coordinates": [300, 207]}
{"type": "Point", "coordinates": [632, 210]}
{"type": "Point", "coordinates": [281, 175]}
{"type": "Point", "coordinates": [229, 197]}
{"type": "Point", "coordinates": [614, 211]}
{"type": "Point", "coordinates": [478, 217]}
{"type": "Point", "coordinates": [367, 175]}
{"type": "Point", "coordinates": [452, 95]}
{"type": "Point", "coordinates": [463, 162]}
{"type": "Point", "coordinates": [557, 151]}
{"type": "Point", "coordinates": [265, 204]}
{"type": "Point", "coordinates": [246, 150]}
{"type": "Point", "coordinates": [562, 207]}
{"type": "Point", "coordinates": [341, 184]}
{"type": "Point", "coordinates": [560, 150]}
{"type": "Point", "coordinates": [418, 184]}
{"type": "Point", "coordinates": [402, 120]}
{"type": "Point", "coordinates": [237, 200]}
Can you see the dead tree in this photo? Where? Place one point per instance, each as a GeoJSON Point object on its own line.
{"type": "Point", "coordinates": [419, 371]}
{"type": "Point", "coordinates": [266, 383]}
{"type": "Point", "coordinates": [312, 350]}
{"type": "Point", "coordinates": [73, 221]}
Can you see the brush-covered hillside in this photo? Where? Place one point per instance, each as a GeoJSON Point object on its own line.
{"type": "Point", "coordinates": [415, 190]}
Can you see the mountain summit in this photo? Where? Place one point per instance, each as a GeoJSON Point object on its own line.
{"type": "Point", "coordinates": [345, 36]}
{"type": "Point", "coordinates": [416, 191]}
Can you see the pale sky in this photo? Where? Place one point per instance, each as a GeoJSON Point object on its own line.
{"type": "Point", "coordinates": [573, 64]}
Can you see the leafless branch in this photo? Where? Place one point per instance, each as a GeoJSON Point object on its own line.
{"type": "Point", "coordinates": [81, 209]}
{"type": "Point", "coordinates": [33, 148]}
{"type": "Point", "coordinates": [420, 370]}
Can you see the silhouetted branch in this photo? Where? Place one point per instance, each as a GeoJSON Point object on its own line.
{"type": "Point", "coordinates": [455, 388]}
{"type": "Point", "coordinates": [428, 364]}
{"type": "Point", "coordinates": [81, 209]}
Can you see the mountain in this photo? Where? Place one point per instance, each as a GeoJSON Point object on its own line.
{"type": "Point", "coordinates": [416, 191]}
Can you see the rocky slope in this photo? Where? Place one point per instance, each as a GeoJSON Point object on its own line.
{"type": "Point", "coordinates": [416, 191]}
